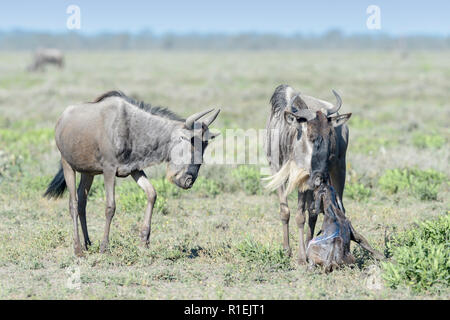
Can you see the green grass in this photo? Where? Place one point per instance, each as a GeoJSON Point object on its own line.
{"type": "Point", "coordinates": [267, 255]}
{"type": "Point", "coordinates": [420, 256]}
{"type": "Point", "coordinates": [432, 141]}
{"type": "Point", "coordinates": [248, 179]}
{"type": "Point", "coordinates": [357, 191]}
{"type": "Point", "coordinates": [371, 145]}
{"type": "Point", "coordinates": [133, 199]}
{"type": "Point", "coordinates": [423, 184]}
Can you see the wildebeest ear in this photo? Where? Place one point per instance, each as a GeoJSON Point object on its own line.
{"type": "Point", "coordinates": [339, 120]}
{"type": "Point", "coordinates": [293, 119]}
{"type": "Point", "coordinates": [211, 135]}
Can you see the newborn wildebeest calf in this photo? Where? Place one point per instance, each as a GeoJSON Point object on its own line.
{"type": "Point", "coordinates": [117, 136]}
{"type": "Point", "coordinates": [332, 248]}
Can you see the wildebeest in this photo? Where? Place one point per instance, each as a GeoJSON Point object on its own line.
{"type": "Point", "coordinates": [118, 136]}
{"type": "Point", "coordinates": [306, 144]}
{"type": "Point", "coordinates": [332, 248]}
{"type": "Point", "coordinates": [41, 57]}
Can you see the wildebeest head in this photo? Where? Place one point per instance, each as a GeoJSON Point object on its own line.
{"type": "Point", "coordinates": [188, 143]}
{"type": "Point", "coordinates": [315, 142]}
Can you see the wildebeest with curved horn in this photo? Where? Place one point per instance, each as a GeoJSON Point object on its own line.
{"type": "Point", "coordinates": [41, 57]}
{"type": "Point", "coordinates": [117, 136]}
{"type": "Point", "coordinates": [306, 144]}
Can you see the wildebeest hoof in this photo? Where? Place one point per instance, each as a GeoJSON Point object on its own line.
{"type": "Point", "coordinates": [145, 243]}
{"type": "Point", "coordinates": [311, 267]}
{"type": "Point", "coordinates": [78, 252]}
{"type": "Point", "coordinates": [104, 247]}
{"type": "Point", "coordinates": [87, 244]}
{"type": "Point", "coordinates": [288, 251]}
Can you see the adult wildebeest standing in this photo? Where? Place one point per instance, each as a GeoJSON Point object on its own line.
{"type": "Point", "coordinates": [305, 145]}
{"type": "Point", "coordinates": [42, 57]}
{"type": "Point", "coordinates": [118, 136]}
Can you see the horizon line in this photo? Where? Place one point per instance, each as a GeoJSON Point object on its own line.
{"type": "Point", "coordinates": [149, 31]}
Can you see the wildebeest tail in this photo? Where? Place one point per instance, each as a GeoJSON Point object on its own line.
{"type": "Point", "coordinates": [57, 186]}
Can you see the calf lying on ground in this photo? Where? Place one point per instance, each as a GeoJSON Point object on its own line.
{"type": "Point", "coordinates": [331, 248]}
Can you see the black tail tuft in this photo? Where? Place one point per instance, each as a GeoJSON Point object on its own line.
{"type": "Point", "coordinates": [57, 187]}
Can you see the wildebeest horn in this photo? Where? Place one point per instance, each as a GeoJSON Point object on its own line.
{"type": "Point", "coordinates": [211, 118]}
{"type": "Point", "coordinates": [338, 104]}
{"type": "Point", "coordinates": [297, 103]}
{"type": "Point", "coordinates": [190, 121]}
{"type": "Point", "coordinates": [318, 104]}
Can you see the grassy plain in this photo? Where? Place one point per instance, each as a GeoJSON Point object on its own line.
{"type": "Point", "coordinates": [221, 240]}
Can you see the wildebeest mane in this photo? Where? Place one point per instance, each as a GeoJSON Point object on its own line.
{"type": "Point", "coordinates": [155, 110]}
{"type": "Point", "coordinates": [278, 99]}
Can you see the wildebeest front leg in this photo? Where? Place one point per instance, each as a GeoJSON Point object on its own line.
{"type": "Point", "coordinates": [110, 180]}
{"type": "Point", "coordinates": [83, 191]}
{"type": "Point", "coordinates": [69, 177]}
{"type": "Point", "coordinates": [313, 213]}
{"type": "Point", "coordinates": [284, 215]}
{"type": "Point", "coordinates": [142, 181]}
{"type": "Point", "coordinates": [337, 174]}
{"type": "Point", "coordinates": [300, 219]}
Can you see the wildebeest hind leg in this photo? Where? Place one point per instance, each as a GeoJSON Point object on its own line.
{"type": "Point", "coordinates": [300, 220]}
{"type": "Point", "coordinates": [83, 191]}
{"type": "Point", "coordinates": [284, 215]}
{"type": "Point", "coordinates": [110, 180]}
{"type": "Point", "coordinates": [69, 177]}
{"type": "Point", "coordinates": [142, 181]}
{"type": "Point", "coordinates": [312, 217]}
{"type": "Point", "coordinates": [359, 239]}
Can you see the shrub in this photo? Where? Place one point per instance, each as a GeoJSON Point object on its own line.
{"type": "Point", "coordinates": [263, 254]}
{"type": "Point", "coordinates": [207, 187]}
{"type": "Point", "coordinates": [420, 256]}
{"type": "Point", "coordinates": [357, 191]}
{"type": "Point", "coordinates": [432, 141]}
{"type": "Point", "coordinates": [133, 198]}
{"type": "Point", "coordinates": [248, 179]}
{"type": "Point", "coordinates": [424, 184]}
{"type": "Point", "coordinates": [125, 247]}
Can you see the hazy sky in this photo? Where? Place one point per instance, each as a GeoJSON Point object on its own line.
{"type": "Point", "coordinates": [229, 16]}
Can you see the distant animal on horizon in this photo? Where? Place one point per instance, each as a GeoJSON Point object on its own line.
{"type": "Point", "coordinates": [117, 136]}
{"type": "Point", "coordinates": [43, 57]}
{"type": "Point", "coordinates": [306, 144]}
